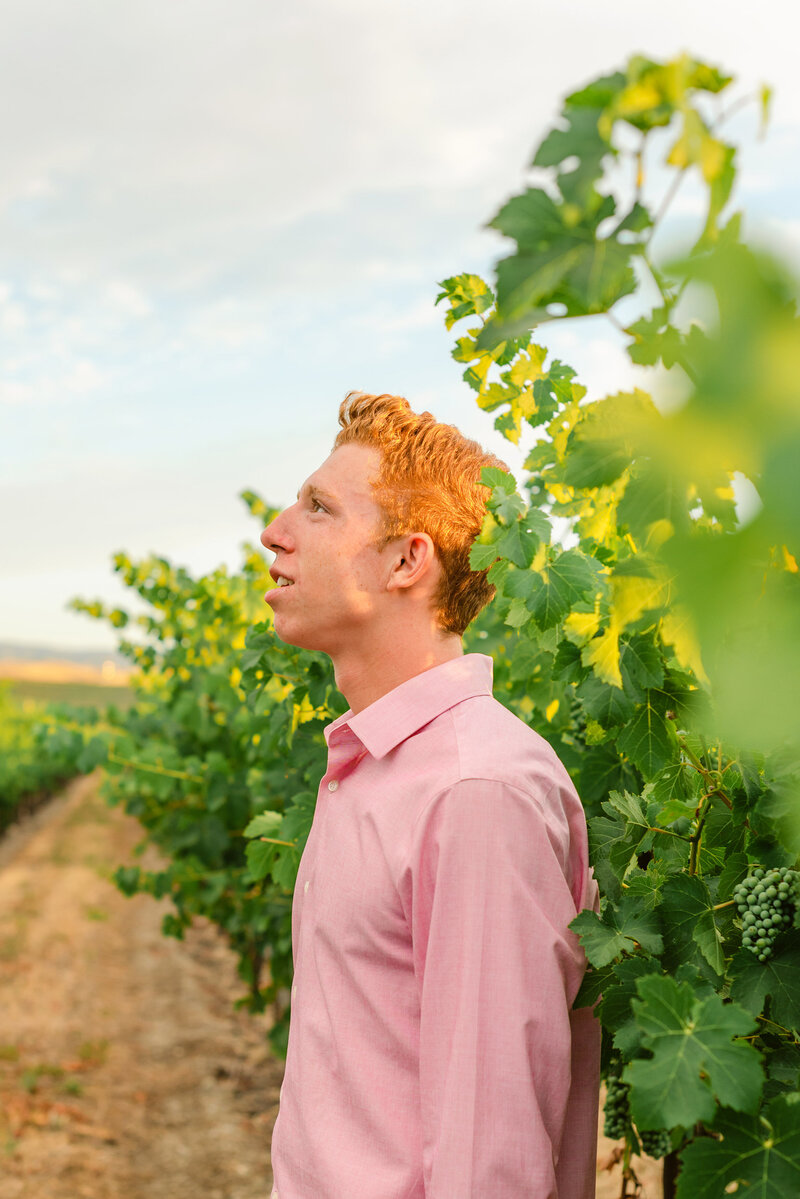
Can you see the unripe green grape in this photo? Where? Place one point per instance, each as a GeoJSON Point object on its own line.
{"type": "Point", "coordinates": [616, 1109]}
{"type": "Point", "coordinates": [656, 1142]}
{"type": "Point", "coordinates": [766, 900]}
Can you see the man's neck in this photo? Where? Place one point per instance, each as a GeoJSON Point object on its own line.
{"type": "Point", "coordinates": [363, 677]}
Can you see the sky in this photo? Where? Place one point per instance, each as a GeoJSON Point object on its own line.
{"type": "Point", "coordinates": [215, 220]}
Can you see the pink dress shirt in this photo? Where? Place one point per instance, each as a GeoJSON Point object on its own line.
{"type": "Point", "coordinates": [432, 1052]}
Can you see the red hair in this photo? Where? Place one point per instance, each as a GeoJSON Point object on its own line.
{"type": "Point", "coordinates": [430, 483]}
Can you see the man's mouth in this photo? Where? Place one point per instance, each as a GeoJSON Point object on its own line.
{"type": "Point", "coordinates": [282, 581]}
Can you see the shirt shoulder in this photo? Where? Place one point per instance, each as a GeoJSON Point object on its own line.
{"type": "Point", "coordinates": [483, 742]}
{"type": "Point", "coordinates": [493, 743]}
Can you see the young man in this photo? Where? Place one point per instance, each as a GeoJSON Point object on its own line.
{"type": "Point", "coordinates": [433, 1053]}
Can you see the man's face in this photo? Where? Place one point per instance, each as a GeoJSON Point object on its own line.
{"type": "Point", "coordinates": [325, 546]}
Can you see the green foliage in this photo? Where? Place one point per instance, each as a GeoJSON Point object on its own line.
{"type": "Point", "coordinates": [224, 743]}
{"type": "Point", "coordinates": [761, 1154]}
{"type": "Point", "coordinates": [656, 646]}
{"type": "Point", "coordinates": [32, 762]}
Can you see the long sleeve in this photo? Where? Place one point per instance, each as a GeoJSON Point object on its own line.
{"type": "Point", "coordinates": [492, 887]}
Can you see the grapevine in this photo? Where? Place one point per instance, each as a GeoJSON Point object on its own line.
{"type": "Point", "coordinates": [656, 1142]}
{"type": "Point", "coordinates": [767, 902]}
{"type": "Point", "coordinates": [617, 1109]}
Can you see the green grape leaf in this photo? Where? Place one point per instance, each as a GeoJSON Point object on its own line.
{"type": "Point", "coordinates": [631, 809]}
{"type": "Point", "coordinates": [648, 739]}
{"type": "Point", "coordinates": [615, 1009]}
{"type": "Point", "coordinates": [686, 907]}
{"type": "Point", "coordinates": [695, 1056]}
{"type": "Point", "coordinates": [618, 931]}
{"type": "Point", "coordinates": [495, 394]}
{"type": "Point", "coordinates": [532, 219]}
{"type": "Point", "coordinates": [519, 543]}
{"type": "Point", "coordinates": [757, 1157]}
{"type": "Point", "coordinates": [581, 138]}
{"type": "Point", "coordinates": [593, 985]}
{"type": "Point", "coordinates": [595, 462]}
{"type": "Point", "coordinates": [260, 856]}
{"type": "Point", "coordinates": [680, 784]}
{"type": "Point", "coordinates": [734, 870]}
{"type": "Point", "coordinates": [560, 584]}
{"type": "Point", "coordinates": [778, 978]}
{"type": "Point", "coordinates": [482, 556]}
{"type": "Point", "coordinates": [640, 665]}
{"type": "Point", "coordinates": [494, 477]}
{"type": "Point", "coordinates": [506, 505]}
{"type": "Point", "coordinates": [613, 842]}
{"type": "Point", "coordinates": [265, 824]}
{"type": "Point", "coordinates": [610, 706]}
{"type": "Point", "coordinates": [650, 497]}
{"type": "Point", "coordinates": [583, 274]}
{"type": "Point", "coordinates": [296, 823]}
{"type": "Point", "coordinates": [468, 296]}
{"type": "Point", "coordinates": [517, 614]}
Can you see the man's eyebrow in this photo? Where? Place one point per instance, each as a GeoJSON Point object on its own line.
{"type": "Point", "coordinates": [311, 489]}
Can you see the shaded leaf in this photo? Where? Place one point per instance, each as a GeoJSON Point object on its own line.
{"type": "Point", "coordinates": [695, 1056]}
{"type": "Point", "coordinates": [619, 931]}
{"type": "Point", "coordinates": [686, 907]}
{"type": "Point", "coordinates": [648, 740]}
{"type": "Point", "coordinates": [759, 1157]}
{"type": "Point", "coordinates": [567, 578]}
{"type": "Point", "coordinates": [778, 978]}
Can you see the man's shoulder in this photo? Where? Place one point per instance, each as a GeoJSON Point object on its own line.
{"type": "Point", "coordinates": [490, 742]}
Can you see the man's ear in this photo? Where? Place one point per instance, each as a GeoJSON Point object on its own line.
{"type": "Point", "coordinates": [413, 559]}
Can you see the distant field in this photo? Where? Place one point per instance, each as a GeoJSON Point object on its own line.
{"type": "Point", "coordinates": [95, 695]}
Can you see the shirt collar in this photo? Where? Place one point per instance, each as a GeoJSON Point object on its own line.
{"type": "Point", "coordinates": [404, 710]}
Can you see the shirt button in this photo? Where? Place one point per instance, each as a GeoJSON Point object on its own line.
{"type": "Point", "coordinates": [294, 990]}
{"type": "Point", "coordinates": [333, 784]}
{"type": "Point", "coordinates": [306, 885]}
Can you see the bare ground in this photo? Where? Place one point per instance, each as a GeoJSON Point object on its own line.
{"type": "Point", "coordinates": [125, 1071]}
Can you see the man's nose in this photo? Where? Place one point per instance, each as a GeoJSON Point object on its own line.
{"type": "Point", "coordinates": [275, 535]}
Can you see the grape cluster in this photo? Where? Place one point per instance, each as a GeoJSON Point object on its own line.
{"type": "Point", "coordinates": [656, 1142]}
{"type": "Point", "coordinates": [766, 900]}
{"type": "Point", "coordinates": [617, 1111]}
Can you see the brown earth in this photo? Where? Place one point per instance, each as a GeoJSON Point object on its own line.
{"type": "Point", "coordinates": [125, 1071]}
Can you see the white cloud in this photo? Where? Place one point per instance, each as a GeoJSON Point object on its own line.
{"type": "Point", "coordinates": [128, 299]}
{"type": "Point", "coordinates": [164, 153]}
{"type": "Point", "coordinates": [13, 317]}
{"type": "Point", "coordinates": [76, 380]}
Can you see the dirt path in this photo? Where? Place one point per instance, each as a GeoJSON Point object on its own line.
{"type": "Point", "coordinates": [125, 1072]}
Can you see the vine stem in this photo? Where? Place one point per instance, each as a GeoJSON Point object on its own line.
{"type": "Point", "coordinates": [668, 832]}
{"type": "Point", "coordinates": [696, 839]}
{"type": "Point", "coordinates": [162, 770]}
{"type": "Point", "coordinates": [774, 1024]}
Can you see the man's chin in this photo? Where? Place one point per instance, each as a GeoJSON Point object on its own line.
{"type": "Point", "coordinates": [300, 638]}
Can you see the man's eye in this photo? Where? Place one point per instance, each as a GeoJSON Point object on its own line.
{"type": "Point", "coordinates": [316, 506]}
